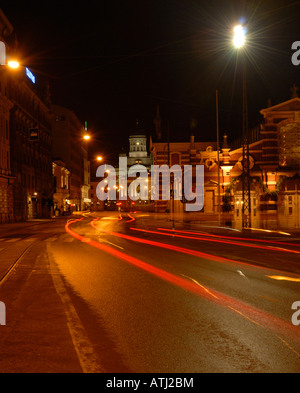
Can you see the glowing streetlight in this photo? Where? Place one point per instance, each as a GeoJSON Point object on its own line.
{"type": "Point", "coordinates": [86, 137]}
{"type": "Point", "coordinates": [13, 64]}
{"type": "Point", "coordinates": [239, 41]}
{"type": "Point", "coordinates": [239, 36]}
{"type": "Point", "coordinates": [99, 158]}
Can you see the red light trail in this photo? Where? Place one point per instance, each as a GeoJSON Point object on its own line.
{"type": "Point", "coordinates": [228, 237]}
{"type": "Point", "coordinates": [216, 240]}
{"type": "Point", "coordinates": [256, 316]}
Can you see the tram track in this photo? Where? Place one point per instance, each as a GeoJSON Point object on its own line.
{"type": "Point", "coordinates": [14, 264]}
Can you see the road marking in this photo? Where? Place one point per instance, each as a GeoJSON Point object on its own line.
{"type": "Point", "coordinates": [291, 348]}
{"type": "Point", "coordinates": [51, 239]}
{"type": "Point", "coordinates": [83, 347]}
{"type": "Point", "coordinates": [268, 298]}
{"type": "Point", "coordinates": [244, 315]}
{"type": "Point", "coordinates": [202, 286]}
{"type": "Point", "coordinates": [13, 240]}
{"type": "Point", "coordinates": [112, 244]}
{"type": "Point", "coordinates": [247, 317]}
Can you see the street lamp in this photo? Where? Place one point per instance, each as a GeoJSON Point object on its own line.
{"type": "Point", "coordinates": [239, 40]}
{"type": "Point", "coordinates": [239, 37]}
{"type": "Point", "coordinates": [13, 64]}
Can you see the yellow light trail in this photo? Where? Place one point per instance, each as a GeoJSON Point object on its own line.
{"type": "Point", "coordinates": [284, 278]}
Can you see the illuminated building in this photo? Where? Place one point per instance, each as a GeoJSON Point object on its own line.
{"type": "Point", "coordinates": [274, 171]}
{"type": "Point", "coordinates": [68, 146]}
{"type": "Point", "coordinates": [25, 139]}
{"type": "Point", "coordinates": [188, 153]}
{"type": "Point", "coordinates": [6, 178]}
{"type": "Point", "coordinates": [61, 189]}
{"type": "Point", "coordinates": [137, 155]}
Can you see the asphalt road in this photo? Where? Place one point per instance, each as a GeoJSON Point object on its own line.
{"type": "Point", "coordinates": [125, 293]}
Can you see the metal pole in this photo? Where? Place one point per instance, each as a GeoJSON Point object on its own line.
{"type": "Point", "coordinates": [246, 196]}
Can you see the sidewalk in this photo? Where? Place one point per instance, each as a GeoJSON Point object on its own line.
{"type": "Point", "coordinates": [10, 227]}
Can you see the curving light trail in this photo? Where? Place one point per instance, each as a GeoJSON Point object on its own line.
{"type": "Point", "coordinates": [217, 240]}
{"type": "Point", "coordinates": [229, 237]}
{"type": "Point", "coordinates": [256, 316]}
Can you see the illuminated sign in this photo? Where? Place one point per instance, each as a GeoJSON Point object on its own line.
{"type": "Point", "coordinates": [30, 75]}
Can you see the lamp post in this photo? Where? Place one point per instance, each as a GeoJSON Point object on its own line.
{"type": "Point", "coordinates": [218, 156]}
{"type": "Point", "coordinates": [86, 181]}
{"type": "Point", "coordinates": [239, 40]}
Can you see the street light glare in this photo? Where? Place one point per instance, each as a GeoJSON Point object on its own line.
{"type": "Point", "coordinates": [86, 137]}
{"type": "Point", "coordinates": [13, 64]}
{"type": "Point", "coordinates": [239, 36]}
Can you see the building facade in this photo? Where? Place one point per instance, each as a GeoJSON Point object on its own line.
{"type": "Point", "coordinates": [138, 154]}
{"type": "Point", "coordinates": [61, 188]}
{"type": "Point", "coordinates": [187, 153]}
{"type": "Point", "coordinates": [31, 147]}
{"type": "Point", "coordinates": [68, 147]}
{"type": "Point", "coordinates": [25, 139]}
{"type": "Point", "coordinates": [6, 177]}
{"type": "Point", "coordinates": [274, 172]}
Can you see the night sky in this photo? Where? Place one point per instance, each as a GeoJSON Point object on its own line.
{"type": "Point", "coordinates": [114, 61]}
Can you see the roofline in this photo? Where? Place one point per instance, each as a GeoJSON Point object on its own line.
{"type": "Point", "coordinates": [262, 111]}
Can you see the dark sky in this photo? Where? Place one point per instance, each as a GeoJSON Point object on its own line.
{"type": "Point", "coordinates": [113, 61]}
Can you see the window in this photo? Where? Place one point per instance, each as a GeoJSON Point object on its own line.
{"type": "Point", "coordinates": [289, 145]}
